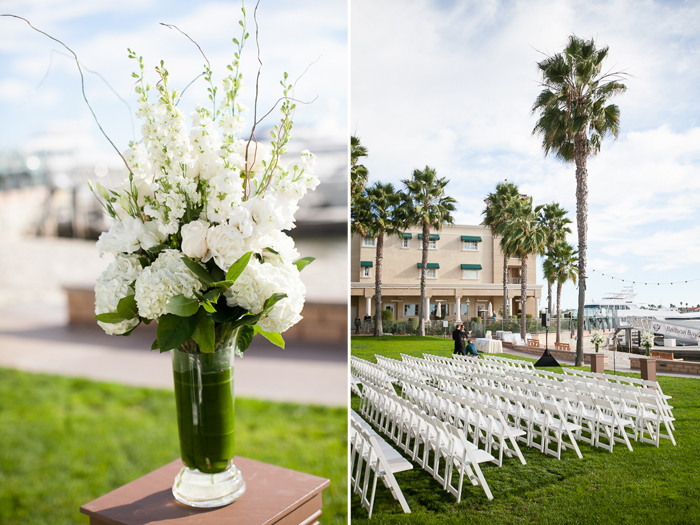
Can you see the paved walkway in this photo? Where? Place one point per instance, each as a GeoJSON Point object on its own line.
{"type": "Point", "coordinates": [36, 338]}
{"type": "Point", "coordinates": [618, 361]}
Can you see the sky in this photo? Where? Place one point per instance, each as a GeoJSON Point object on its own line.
{"type": "Point", "coordinates": [40, 84]}
{"type": "Point", "coordinates": [451, 84]}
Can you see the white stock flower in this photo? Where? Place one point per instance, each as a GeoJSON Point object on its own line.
{"type": "Point", "coordinates": [167, 277]}
{"type": "Point", "coordinates": [128, 235]}
{"type": "Point", "coordinates": [258, 282]}
{"type": "Point", "coordinates": [194, 239]}
{"type": "Point", "coordinates": [257, 155]}
{"type": "Point", "coordinates": [112, 286]}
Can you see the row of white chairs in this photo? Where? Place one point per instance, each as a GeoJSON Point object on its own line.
{"type": "Point", "coordinates": [372, 459]}
{"type": "Point", "coordinates": [421, 436]}
{"type": "Point", "coordinates": [482, 425]}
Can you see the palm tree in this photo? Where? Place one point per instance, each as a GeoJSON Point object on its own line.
{"type": "Point", "coordinates": [382, 202]}
{"type": "Point", "coordinates": [426, 205]}
{"type": "Point", "coordinates": [358, 179]}
{"type": "Point", "coordinates": [561, 266]}
{"type": "Point", "coordinates": [495, 215]}
{"type": "Point", "coordinates": [574, 117]}
{"type": "Point", "coordinates": [523, 236]}
{"type": "Point", "coordinates": [555, 222]}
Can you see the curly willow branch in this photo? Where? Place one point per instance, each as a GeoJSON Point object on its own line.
{"type": "Point", "coordinates": [82, 85]}
{"type": "Point", "coordinates": [172, 26]}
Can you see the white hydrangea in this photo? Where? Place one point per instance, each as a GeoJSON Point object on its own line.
{"type": "Point", "coordinates": [258, 282]}
{"type": "Point", "coordinates": [112, 286]}
{"type": "Point", "coordinates": [167, 277]}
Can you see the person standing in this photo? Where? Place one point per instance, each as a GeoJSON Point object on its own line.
{"type": "Point", "coordinates": [458, 336]}
{"type": "Point", "coordinates": [368, 323]}
{"type": "Point", "coordinates": [357, 325]}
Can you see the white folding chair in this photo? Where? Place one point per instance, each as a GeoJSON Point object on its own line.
{"type": "Point", "coordinates": [557, 426]}
{"type": "Point", "coordinates": [650, 419]}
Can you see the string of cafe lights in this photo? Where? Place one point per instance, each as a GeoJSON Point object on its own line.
{"type": "Point", "coordinates": [646, 283]}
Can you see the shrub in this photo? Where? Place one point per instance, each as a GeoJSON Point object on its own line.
{"type": "Point", "coordinates": [413, 324]}
{"type": "Point", "coordinates": [387, 315]}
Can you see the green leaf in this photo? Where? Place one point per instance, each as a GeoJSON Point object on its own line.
{"type": "Point", "coordinates": [272, 251]}
{"type": "Point", "coordinates": [182, 306]}
{"type": "Point", "coordinates": [127, 334]}
{"type": "Point", "coordinates": [154, 345]}
{"type": "Point", "coordinates": [145, 262]}
{"type": "Point", "coordinates": [209, 307]}
{"type": "Point", "coordinates": [238, 267]}
{"type": "Point", "coordinates": [110, 317]}
{"type": "Point", "coordinates": [157, 248]}
{"type": "Point", "coordinates": [223, 284]}
{"type": "Point", "coordinates": [204, 334]}
{"type": "Point", "coordinates": [303, 263]}
{"type": "Point", "coordinates": [271, 301]}
{"type": "Point", "coordinates": [225, 313]}
{"type": "Point", "coordinates": [127, 307]}
{"type": "Point", "coordinates": [245, 336]}
{"type": "Point", "coordinates": [247, 320]}
{"type": "Point", "coordinates": [197, 269]}
{"type": "Point", "coordinates": [274, 337]}
{"type": "Point", "coordinates": [173, 331]}
{"type": "Point", "coordinates": [213, 295]}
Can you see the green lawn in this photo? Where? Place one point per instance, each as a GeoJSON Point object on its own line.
{"type": "Point", "coordinates": [647, 486]}
{"type": "Point", "coordinates": [65, 442]}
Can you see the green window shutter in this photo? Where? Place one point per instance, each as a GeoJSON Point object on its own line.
{"type": "Point", "coordinates": [470, 238]}
{"type": "Point", "coordinates": [366, 264]}
{"type": "Point", "coordinates": [471, 267]}
{"type": "Point", "coordinates": [430, 266]}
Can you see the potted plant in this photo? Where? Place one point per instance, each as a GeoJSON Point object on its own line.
{"type": "Point", "coordinates": [597, 339]}
{"type": "Point", "coordinates": [647, 340]}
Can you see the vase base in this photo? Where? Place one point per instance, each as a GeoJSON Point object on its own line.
{"type": "Point", "coordinates": [196, 489]}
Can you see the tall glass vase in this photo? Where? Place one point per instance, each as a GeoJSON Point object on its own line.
{"type": "Point", "coordinates": [205, 418]}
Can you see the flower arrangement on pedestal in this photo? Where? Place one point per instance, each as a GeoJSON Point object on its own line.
{"type": "Point", "coordinates": [198, 239]}
{"type": "Point", "coordinates": [597, 338]}
{"type": "Point", "coordinates": [647, 340]}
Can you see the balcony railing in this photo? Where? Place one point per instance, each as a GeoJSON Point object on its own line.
{"type": "Point", "coordinates": [514, 280]}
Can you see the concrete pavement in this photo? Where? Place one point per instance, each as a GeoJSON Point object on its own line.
{"type": "Point", "coordinates": [35, 337]}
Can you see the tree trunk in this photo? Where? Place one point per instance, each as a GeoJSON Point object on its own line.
{"type": "Point", "coordinates": [580, 155]}
{"type": "Point", "coordinates": [523, 296]}
{"type": "Point", "coordinates": [558, 312]}
{"type": "Point", "coordinates": [424, 267]}
{"type": "Point", "coordinates": [505, 286]}
{"type": "Point", "coordinates": [378, 328]}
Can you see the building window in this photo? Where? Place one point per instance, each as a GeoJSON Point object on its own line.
{"type": "Point", "coordinates": [370, 242]}
{"type": "Point", "coordinates": [431, 273]}
{"type": "Point", "coordinates": [405, 243]}
{"type": "Point", "coordinates": [464, 310]}
{"type": "Point", "coordinates": [444, 310]}
{"type": "Point", "coordinates": [366, 271]}
{"type": "Point", "coordinates": [470, 274]}
{"type": "Point", "coordinates": [470, 246]}
{"type": "Point", "coordinates": [410, 310]}
{"type": "Point", "coordinates": [432, 244]}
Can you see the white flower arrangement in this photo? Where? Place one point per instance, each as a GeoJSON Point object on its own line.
{"type": "Point", "coordinates": [647, 339]}
{"type": "Point", "coordinates": [597, 337]}
{"type": "Point", "coordinates": [198, 226]}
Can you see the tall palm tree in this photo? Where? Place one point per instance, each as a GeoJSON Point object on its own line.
{"type": "Point", "coordinates": [358, 180]}
{"type": "Point", "coordinates": [523, 236]}
{"type": "Point", "coordinates": [561, 266]}
{"type": "Point", "coordinates": [555, 222]}
{"type": "Point", "coordinates": [495, 215]}
{"type": "Point", "coordinates": [427, 205]}
{"type": "Point", "coordinates": [382, 202]}
{"type": "Point", "coordinates": [574, 117]}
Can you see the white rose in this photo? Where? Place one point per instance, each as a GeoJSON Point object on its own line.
{"type": "Point", "coordinates": [226, 245]}
{"type": "Point", "coordinates": [194, 239]}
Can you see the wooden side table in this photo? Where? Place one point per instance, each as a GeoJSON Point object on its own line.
{"type": "Point", "coordinates": [273, 495]}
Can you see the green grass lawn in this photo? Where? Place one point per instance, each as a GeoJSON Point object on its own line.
{"type": "Point", "coordinates": [647, 486]}
{"type": "Point", "coordinates": [65, 442]}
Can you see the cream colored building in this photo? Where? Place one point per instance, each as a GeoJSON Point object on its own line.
{"type": "Point", "coordinates": [464, 275]}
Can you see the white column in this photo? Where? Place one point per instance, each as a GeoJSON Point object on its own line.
{"type": "Point", "coordinates": [427, 309]}
{"type": "Point", "coordinates": [458, 319]}
{"type": "Point", "coordinates": [439, 309]}
{"type": "Point", "coordinates": [368, 305]}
